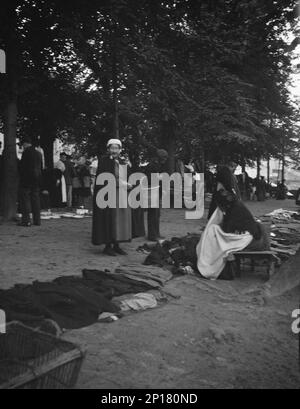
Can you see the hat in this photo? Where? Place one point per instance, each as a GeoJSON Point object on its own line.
{"type": "Point", "coordinates": [114, 142]}
{"type": "Point", "coordinates": [162, 153]}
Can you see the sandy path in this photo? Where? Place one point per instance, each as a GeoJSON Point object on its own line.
{"type": "Point", "coordinates": [212, 336]}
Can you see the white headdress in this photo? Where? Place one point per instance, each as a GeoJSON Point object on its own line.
{"type": "Point", "coordinates": [114, 142]}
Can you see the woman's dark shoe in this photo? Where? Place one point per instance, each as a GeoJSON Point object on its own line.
{"type": "Point", "coordinates": [109, 251]}
{"type": "Point", "coordinates": [118, 250]}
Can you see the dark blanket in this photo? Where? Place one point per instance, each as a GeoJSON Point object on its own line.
{"type": "Point", "coordinates": [70, 306]}
{"type": "Point", "coordinates": [70, 301]}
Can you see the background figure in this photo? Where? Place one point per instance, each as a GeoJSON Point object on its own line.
{"type": "Point", "coordinates": [84, 178]}
{"type": "Point", "coordinates": [138, 222]}
{"type": "Point", "coordinates": [281, 191]}
{"type": "Point", "coordinates": [30, 168]}
{"type": "Point", "coordinates": [60, 192]}
{"type": "Point", "coordinates": [41, 150]}
{"type": "Point", "coordinates": [225, 179]}
{"type": "Point", "coordinates": [261, 189]}
{"type": "Point", "coordinates": [69, 173]}
{"type": "Point", "coordinates": [156, 165]}
{"type": "Point", "coordinates": [244, 185]}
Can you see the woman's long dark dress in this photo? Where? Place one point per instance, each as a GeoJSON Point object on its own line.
{"type": "Point", "coordinates": [110, 225]}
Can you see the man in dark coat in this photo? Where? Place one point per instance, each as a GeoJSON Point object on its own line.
{"type": "Point", "coordinates": [30, 169]}
{"type": "Point", "coordinates": [156, 165]}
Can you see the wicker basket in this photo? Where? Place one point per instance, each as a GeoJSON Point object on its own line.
{"type": "Point", "coordinates": [31, 359]}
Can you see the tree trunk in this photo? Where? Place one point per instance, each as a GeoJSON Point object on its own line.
{"type": "Point", "coordinates": [258, 167]}
{"type": "Point", "coordinates": [47, 144]}
{"type": "Point", "coordinates": [283, 164]}
{"type": "Point", "coordinates": [116, 132]}
{"type": "Point", "coordinates": [10, 164]}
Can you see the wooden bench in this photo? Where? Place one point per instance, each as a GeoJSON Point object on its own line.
{"type": "Point", "coordinates": [254, 256]}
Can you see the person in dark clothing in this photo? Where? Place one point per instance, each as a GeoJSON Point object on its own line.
{"type": "Point", "coordinates": [138, 222]}
{"type": "Point", "coordinates": [84, 176]}
{"type": "Point", "coordinates": [281, 191]}
{"type": "Point", "coordinates": [225, 179]}
{"type": "Point", "coordinates": [30, 168]}
{"type": "Point", "coordinates": [238, 219]}
{"type": "Point", "coordinates": [69, 174]}
{"type": "Point", "coordinates": [156, 165]}
{"type": "Point", "coordinates": [261, 189]}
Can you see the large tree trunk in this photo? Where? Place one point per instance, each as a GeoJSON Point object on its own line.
{"type": "Point", "coordinates": [47, 143]}
{"type": "Point", "coordinates": [258, 167]}
{"type": "Point", "coordinates": [10, 183]}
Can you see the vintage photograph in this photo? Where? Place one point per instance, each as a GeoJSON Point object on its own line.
{"type": "Point", "coordinates": [149, 197]}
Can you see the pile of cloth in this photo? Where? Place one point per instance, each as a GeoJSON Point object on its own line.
{"type": "Point", "coordinates": [283, 216]}
{"type": "Point", "coordinates": [73, 302]}
{"type": "Point", "coordinates": [178, 254]}
{"type": "Point", "coordinates": [285, 240]}
{"type": "Point", "coordinates": [76, 214]}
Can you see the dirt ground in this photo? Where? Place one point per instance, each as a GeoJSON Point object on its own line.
{"type": "Point", "coordinates": [215, 335]}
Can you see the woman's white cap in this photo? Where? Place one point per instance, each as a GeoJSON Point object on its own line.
{"type": "Point", "coordinates": [114, 142]}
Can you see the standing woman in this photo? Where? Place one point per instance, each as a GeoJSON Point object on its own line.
{"type": "Point", "coordinates": [84, 175]}
{"type": "Point", "coordinates": [112, 225]}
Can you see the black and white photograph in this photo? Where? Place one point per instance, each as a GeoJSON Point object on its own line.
{"type": "Point", "coordinates": [149, 197]}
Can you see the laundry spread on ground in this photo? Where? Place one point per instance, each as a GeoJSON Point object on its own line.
{"type": "Point", "coordinates": [76, 214]}
{"type": "Point", "coordinates": [104, 296]}
{"type": "Point", "coordinates": [75, 302]}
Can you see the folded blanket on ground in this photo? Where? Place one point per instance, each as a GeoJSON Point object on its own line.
{"type": "Point", "coordinates": [154, 276]}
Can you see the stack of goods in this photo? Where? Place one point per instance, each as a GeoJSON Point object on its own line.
{"type": "Point", "coordinates": [77, 214]}
{"type": "Point", "coordinates": [285, 240]}
{"type": "Point", "coordinates": [283, 216]}
{"type": "Point", "coordinates": [179, 254]}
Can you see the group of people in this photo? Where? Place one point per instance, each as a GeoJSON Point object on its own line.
{"type": "Point", "coordinates": [112, 226]}
{"type": "Point", "coordinates": [231, 226]}
{"type": "Point", "coordinates": [68, 184]}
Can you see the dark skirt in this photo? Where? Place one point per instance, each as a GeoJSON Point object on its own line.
{"type": "Point", "coordinates": [138, 223]}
